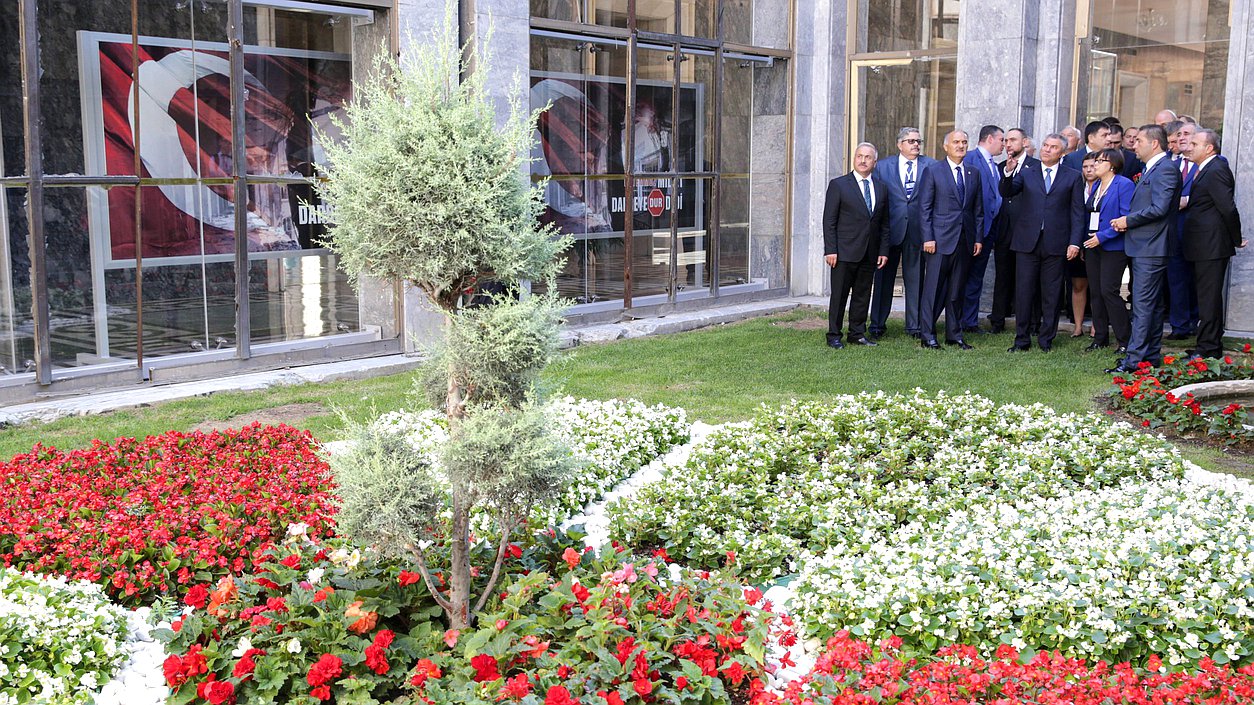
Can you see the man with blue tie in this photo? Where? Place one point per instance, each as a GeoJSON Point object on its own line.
{"type": "Point", "coordinates": [1182, 311]}
{"type": "Point", "coordinates": [1148, 227]}
{"type": "Point", "coordinates": [951, 213]}
{"type": "Point", "coordinates": [900, 175]}
{"type": "Point", "coordinates": [1048, 230]}
{"type": "Point", "coordinates": [992, 141]}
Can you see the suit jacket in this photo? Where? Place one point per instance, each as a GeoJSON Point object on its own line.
{"type": "Point", "coordinates": [1057, 216]}
{"type": "Point", "coordinates": [944, 218]}
{"type": "Point", "coordinates": [1152, 215]}
{"type": "Point", "coordinates": [1115, 204]}
{"type": "Point", "coordinates": [1213, 227]}
{"type": "Point", "coordinates": [903, 213]}
{"type": "Point", "coordinates": [1075, 160]}
{"type": "Point", "coordinates": [992, 199]}
{"type": "Point", "coordinates": [1131, 165]}
{"type": "Point", "coordinates": [849, 231]}
{"type": "Point", "coordinates": [1010, 204]}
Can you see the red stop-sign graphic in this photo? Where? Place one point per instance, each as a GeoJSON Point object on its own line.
{"type": "Point", "coordinates": [656, 202]}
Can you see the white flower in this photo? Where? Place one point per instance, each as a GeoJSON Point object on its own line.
{"type": "Point", "coordinates": [242, 648]}
{"type": "Point", "coordinates": [293, 646]}
{"type": "Point", "coordinates": [300, 529]}
{"type": "Point", "coordinates": [315, 575]}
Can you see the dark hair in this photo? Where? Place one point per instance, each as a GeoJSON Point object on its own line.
{"type": "Point", "coordinates": [1111, 120]}
{"type": "Point", "coordinates": [1115, 157]}
{"type": "Point", "coordinates": [1020, 130]}
{"type": "Point", "coordinates": [1154, 133]}
{"type": "Point", "coordinates": [1116, 129]}
{"type": "Point", "coordinates": [989, 131]}
{"type": "Point", "coordinates": [1092, 156]}
{"type": "Point", "coordinates": [1173, 127]}
{"type": "Point", "coordinates": [1093, 128]}
{"type": "Point", "coordinates": [1212, 137]}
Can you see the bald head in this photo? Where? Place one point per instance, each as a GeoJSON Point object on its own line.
{"type": "Point", "coordinates": [956, 143]}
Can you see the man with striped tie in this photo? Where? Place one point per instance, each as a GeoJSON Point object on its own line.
{"type": "Point", "coordinates": [901, 175]}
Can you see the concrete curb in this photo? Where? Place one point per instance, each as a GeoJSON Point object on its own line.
{"type": "Point", "coordinates": [673, 323]}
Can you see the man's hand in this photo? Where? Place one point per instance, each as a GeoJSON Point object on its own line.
{"type": "Point", "coordinates": [1244, 243]}
{"type": "Point", "coordinates": [1184, 202]}
{"type": "Point", "coordinates": [930, 247]}
{"type": "Point", "coordinates": [978, 248]}
{"type": "Point", "coordinates": [1010, 165]}
{"type": "Point", "coordinates": [1072, 252]}
{"type": "Point", "coordinates": [880, 262]}
{"type": "Point", "coordinates": [1120, 224]}
{"type": "Point", "coordinates": [831, 260]}
{"type": "Point", "coordinates": [1092, 242]}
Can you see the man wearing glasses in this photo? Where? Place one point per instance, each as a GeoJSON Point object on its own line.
{"type": "Point", "coordinates": [901, 175]}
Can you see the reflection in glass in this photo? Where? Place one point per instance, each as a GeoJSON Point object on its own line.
{"type": "Point", "coordinates": [695, 127]}
{"type": "Point", "coordinates": [901, 25]}
{"type": "Point", "coordinates": [651, 15]}
{"type": "Point", "coordinates": [733, 254]}
{"type": "Point", "coordinates": [1146, 58]}
{"type": "Point", "coordinates": [699, 18]}
{"type": "Point", "coordinates": [918, 94]}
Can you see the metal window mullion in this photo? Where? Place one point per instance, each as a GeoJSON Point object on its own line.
{"type": "Point", "coordinates": [239, 175]}
{"type": "Point", "coordinates": [629, 140]}
{"type": "Point", "coordinates": [138, 165]}
{"type": "Point", "coordinates": [676, 185]}
{"type": "Point", "coordinates": [36, 239]}
{"type": "Point", "coordinates": [716, 187]}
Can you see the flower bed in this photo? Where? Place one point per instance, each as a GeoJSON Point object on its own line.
{"type": "Point", "coordinates": [318, 624]}
{"type": "Point", "coordinates": [1148, 396]}
{"type": "Point", "coordinates": [1117, 573]}
{"type": "Point", "coordinates": [59, 640]}
{"type": "Point", "coordinates": [612, 438]}
{"type": "Point", "coordinates": [146, 518]}
{"type": "Point", "coordinates": [853, 672]}
{"type": "Point", "coordinates": [812, 475]}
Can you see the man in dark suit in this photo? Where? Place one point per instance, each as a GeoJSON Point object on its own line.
{"type": "Point", "coordinates": [1003, 256]}
{"type": "Point", "coordinates": [1212, 234]}
{"type": "Point", "coordinates": [1095, 135]}
{"type": "Point", "coordinates": [1049, 230]}
{"type": "Point", "coordinates": [855, 244]}
{"type": "Point", "coordinates": [990, 146]}
{"type": "Point", "coordinates": [901, 175]}
{"type": "Point", "coordinates": [1148, 226]}
{"type": "Point", "coordinates": [1131, 165]}
{"type": "Point", "coordinates": [1182, 310]}
{"type": "Point", "coordinates": [951, 211]}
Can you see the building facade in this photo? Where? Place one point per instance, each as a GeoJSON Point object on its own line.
{"type": "Point", "coordinates": [687, 150]}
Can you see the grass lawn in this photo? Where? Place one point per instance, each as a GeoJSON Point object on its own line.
{"type": "Point", "coordinates": [718, 374]}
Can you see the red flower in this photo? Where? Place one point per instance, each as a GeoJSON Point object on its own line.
{"type": "Point", "coordinates": [1246, 347]}
{"type": "Point", "coordinates": [365, 621]}
{"type": "Point", "coordinates": [731, 558]}
{"type": "Point", "coordinates": [572, 557]}
{"type": "Point", "coordinates": [564, 671]}
{"type": "Point", "coordinates": [216, 691]}
{"type": "Point", "coordinates": [292, 561]}
{"type": "Point", "coordinates": [485, 667]}
{"type": "Point", "coordinates": [536, 648]}
{"type": "Point", "coordinates": [580, 592]}
{"type": "Point", "coordinates": [328, 668]}
{"type": "Point", "coordinates": [322, 692]}
{"type": "Point", "coordinates": [642, 686]}
{"type": "Point", "coordinates": [376, 659]}
{"type": "Point", "coordinates": [197, 597]}
{"type": "Point", "coordinates": [246, 665]}
{"type": "Point", "coordinates": [450, 637]}
{"type": "Point", "coordinates": [734, 672]}
{"type": "Point", "coordinates": [517, 687]}
{"type": "Point", "coordinates": [681, 683]}
{"type": "Point", "coordinates": [424, 670]}
{"type": "Point", "coordinates": [558, 695]}
{"type": "Point", "coordinates": [409, 578]}
{"type": "Point", "coordinates": [514, 551]}
{"type": "Point", "coordinates": [611, 697]}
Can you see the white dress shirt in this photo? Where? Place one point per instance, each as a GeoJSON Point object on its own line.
{"type": "Point", "coordinates": [867, 179]}
{"type": "Point", "coordinates": [901, 170]}
{"type": "Point", "coordinates": [1153, 160]}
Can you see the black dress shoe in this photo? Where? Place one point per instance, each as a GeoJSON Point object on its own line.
{"type": "Point", "coordinates": [997, 329]}
{"type": "Point", "coordinates": [1179, 336]}
{"type": "Point", "coordinates": [1121, 350]}
{"type": "Point", "coordinates": [865, 341]}
{"type": "Point", "coordinates": [1120, 369]}
{"type": "Point", "coordinates": [1017, 348]}
{"type": "Point", "coordinates": [929, 344]}
{"type": "Point", "coordinates": [962, 344]}
{"type": "Point", "coordinates": [1096, 346]}
{"type": "Point", "coordinates": [1047, 348]}
{"type": "Point", "coordinates": [835, 344]}
{"type": "Point", "coordinates": [915, 334]}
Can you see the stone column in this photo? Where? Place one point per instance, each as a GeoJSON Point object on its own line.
{"type": "Point", "coordinates": [1239, 149]}
{"type": "Point", "coordinates": [818, 140]}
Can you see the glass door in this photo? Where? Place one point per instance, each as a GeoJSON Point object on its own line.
{"type": "Point", "coordinates": [891, 93]}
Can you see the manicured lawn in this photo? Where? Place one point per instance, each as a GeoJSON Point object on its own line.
{"type": "Point", "coordinates": [719, 374]}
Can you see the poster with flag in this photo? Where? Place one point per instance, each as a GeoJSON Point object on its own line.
{"type": "Point", "coordinates": [185, 133]}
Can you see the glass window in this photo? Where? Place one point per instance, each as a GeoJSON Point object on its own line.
{"type": "Point", "coordinates": [902, 25]}
{"type": "Point", "coordinates": [883, 107]}
{"type": "Point", "coordinates": [651, 15]}
{"type": "Point", "coordinates": [1148, 57]}
{"type": "Point", "coordinates": [733, 243]}
{"type": "Point", "coordinates": [699, 18]}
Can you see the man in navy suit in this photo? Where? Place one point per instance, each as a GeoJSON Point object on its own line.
{"type": "Point", "coordinates": [1131, 165]}
{"type": "Point", "coordinates": [855, 244]}
{"type": "Point", "coordinates": [992, 140]}
{"type": "Point", "coordinates": [1212, 234]}
{"type": "Point", "coordinates": [1148, 226]}
{"type": "Point", "coordinates": [951, 212]}
{"type": "Point", "coordinates": [1182, 311]}
{"type": "Point", "coordinates": [901, 175]}
{"type": "Point", "coordinates": [1095, 136]}
{"type": "Point", "coordinates": [1049, 229]}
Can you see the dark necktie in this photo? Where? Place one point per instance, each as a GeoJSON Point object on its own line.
{"type": "Point", "coordinates": [909, 179]}
{"type": "Point", "coordinates": [1190, 173]}
{"type": "Point", "coordinates": [866, 194]}
{"type": "Point", "coordinates": [1049, 179]}
{"type": "Point", "coordinates": [962, 187]}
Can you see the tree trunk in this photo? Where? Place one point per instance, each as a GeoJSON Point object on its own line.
{"type": "Point", "coordinates": [459, 570]}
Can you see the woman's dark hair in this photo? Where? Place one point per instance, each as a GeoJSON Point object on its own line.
{"type": "Point", "coordinates": [1115, 157]}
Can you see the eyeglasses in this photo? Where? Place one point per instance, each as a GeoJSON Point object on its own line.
{"type": "Point", "coordinates": [1102, 160]}
{"type": "Point", "coordinates": [913, 140]}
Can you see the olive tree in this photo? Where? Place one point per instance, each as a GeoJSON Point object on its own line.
{"type": "Point", "coordinates": [427, 187]}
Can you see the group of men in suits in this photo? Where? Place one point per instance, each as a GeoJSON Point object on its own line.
{"type": "Point", "coordinates": [943, 220]}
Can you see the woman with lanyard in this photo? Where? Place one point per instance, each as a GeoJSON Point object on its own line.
{"type": "Point", "coordinates": [1109, 197]}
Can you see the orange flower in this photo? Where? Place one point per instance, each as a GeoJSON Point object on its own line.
{"type": "Point", "coordinates": [365, 620]}
{"type": "Point", "coordinates": [225, 591]}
